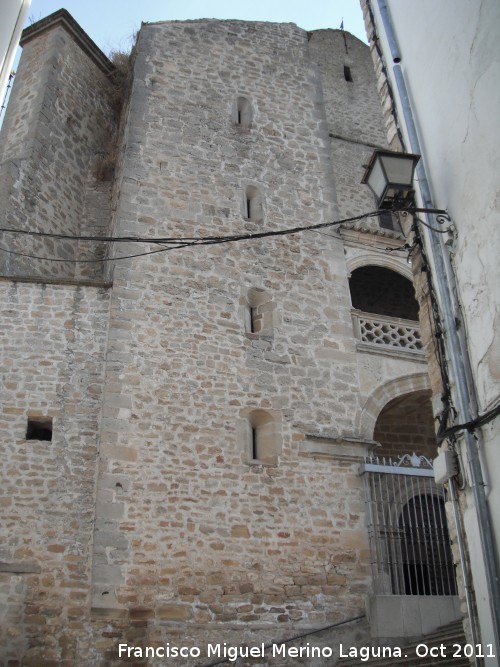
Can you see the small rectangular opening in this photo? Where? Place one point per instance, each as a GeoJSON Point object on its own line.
{"type": "Point", "coordinates": [252, 320]}
{"type": "Point", "coordinates": [39, 428]}
{"type": "Point", "coordinates": [347, 73]}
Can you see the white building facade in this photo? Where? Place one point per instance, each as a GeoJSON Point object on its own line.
{"type": "Point", "coordinates": [14, 13]}
{"type": "Point", "coordinates": [439, 71]}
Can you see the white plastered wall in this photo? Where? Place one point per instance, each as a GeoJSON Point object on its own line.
{"type": "Point", "coordinates": [14, 13]}
{"type": "Point", "coordinates": [450, 58]}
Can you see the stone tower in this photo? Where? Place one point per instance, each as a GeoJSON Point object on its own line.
{"type": "Point", "coordinates": [183, 430]}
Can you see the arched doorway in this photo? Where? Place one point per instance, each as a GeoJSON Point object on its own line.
{"type": "Point", "coordinates": [406, 425]}
{"type": "Point", "coordinates": [409, 536]}
{"type": "Point", "coordinates": [426, 560]}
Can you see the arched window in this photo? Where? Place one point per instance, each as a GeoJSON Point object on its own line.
{"type": "Point", "coordinates": [253, 204]}
{"type": "Point", "coordinates": [259, 311]}
{"type": "Point", "coordinates": [263, 441]}
{"type": "Point", "coordinates": [243, 113]}
{"type": "Point", "coordinates": [380, 291]}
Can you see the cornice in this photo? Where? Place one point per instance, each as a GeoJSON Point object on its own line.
{"type": "Point", "coordinates": [62, 18]}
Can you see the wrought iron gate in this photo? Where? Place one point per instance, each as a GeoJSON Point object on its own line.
{"type": "Point", "coordinates": [409, 539]}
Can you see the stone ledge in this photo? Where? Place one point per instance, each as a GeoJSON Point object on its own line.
{"type": "Point", "coordinates": [23, 567]}
{"type": "Point", "coordinates": [108, 612]}
{"type": "Point", "coordinates": [98, 284]}
{"type": "Point", "coordinates": [345, 448]}
{"type": "Point", "coordinates": [391, 351]}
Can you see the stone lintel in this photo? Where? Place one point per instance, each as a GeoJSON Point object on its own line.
{"type": "Point", "coordinates": [45, 280]}
{"type": "Point", "coordinates": [342, 447]}
{"type": "Point", "coordinates": [384, 237]}
{"type": "Point", "coordinates": [64, 19]}
{"type": "Point", "coordinates": [22, 567]}
{"type": "Point", "coordinates": [391, 351]}
{"type": "Point", "coordinates": [108, 613]}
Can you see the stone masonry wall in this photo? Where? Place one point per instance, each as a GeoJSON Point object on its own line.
{"type": "Point", "coordinates": [353, 113]}
{"type": "Point", "coordinates": [53, 347]}
{"type": "Point", "coordinates": [383, 86]}
{"type": "Point", "coordinates": [189, 532]}
{"type": "Point", "coordinates": [57, 127]}
{"type": "Point", "coordinates": [157, 520]}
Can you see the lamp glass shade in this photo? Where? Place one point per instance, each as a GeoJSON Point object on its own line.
{"type": "Point", "coordinates": [377, 179]}
{"type": "Point", "coordinates": [399, 170]}
{"type": "Point", "coordinates": [390, 176]}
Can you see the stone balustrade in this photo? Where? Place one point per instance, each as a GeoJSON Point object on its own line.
{"type": "Point", "coordinates": [387, 331]}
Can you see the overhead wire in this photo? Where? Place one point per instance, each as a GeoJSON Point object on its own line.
{"type": "Point", "coordinates": [176, 243]}
{"type": "Point", "coordinates": [171, 243]}
{"type": "Point", "coordinates": [438, 338]}
{"type": "Point", "coordinates": [471, 425]}
{"type": "Point", "coordinates": [92, 261]}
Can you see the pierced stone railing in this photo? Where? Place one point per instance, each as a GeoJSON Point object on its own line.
{"type": "Point", "coordinates": [387, 331]}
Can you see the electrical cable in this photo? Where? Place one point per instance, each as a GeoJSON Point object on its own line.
{"type": "Point", "coordinates": [438, 340]}
{"type": "Point", "coordinates": [177, 243]}
{"type": "Point", "coordinates": [471, 425]}
{"type": "Point", "coordinates": [191, 239]}
{"type": "Point", "coordinates": [93, 261]}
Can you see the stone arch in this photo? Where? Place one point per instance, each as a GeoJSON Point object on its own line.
{"type": "Point", "coordinates": [376, 259]}
{"type": "Point", "coordinates": [406, 426]}
{"type": "Point", "coordinates": [374, 404]}
{"type": "Point", "coordinates": [381, 290]}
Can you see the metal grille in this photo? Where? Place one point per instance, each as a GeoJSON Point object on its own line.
{"type": "Point", "coordinates": [409, 537]}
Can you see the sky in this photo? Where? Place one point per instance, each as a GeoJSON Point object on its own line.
{"type": "Point", "coordinates": [112, 23]}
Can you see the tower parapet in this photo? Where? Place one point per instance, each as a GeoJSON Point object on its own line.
{"type": "Point", "coordinates": [58, 125]}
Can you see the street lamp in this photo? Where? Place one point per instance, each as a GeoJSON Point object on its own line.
{"type": "Point", "coordinates": [389, 175]}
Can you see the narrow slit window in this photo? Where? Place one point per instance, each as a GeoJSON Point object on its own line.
{"type": "Point", "coordinates": [258, 321]}
{"type": "Point", "coordinates": [347, 73]}
{"type": "Point", "coordinates": [254, 444]}
{"type": "Point", "coordinates": [253, 204]}
{"type": "Point", "coordinates": [39, 428]}
{"type": "Point", "coordinates": [243, 115]}
{"type": "Point", "coordinates": [258, 312]}
{"type": "Point", "coordinates": [252, 320]}
{"type": "Point", "coordinates": [263, 441]}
